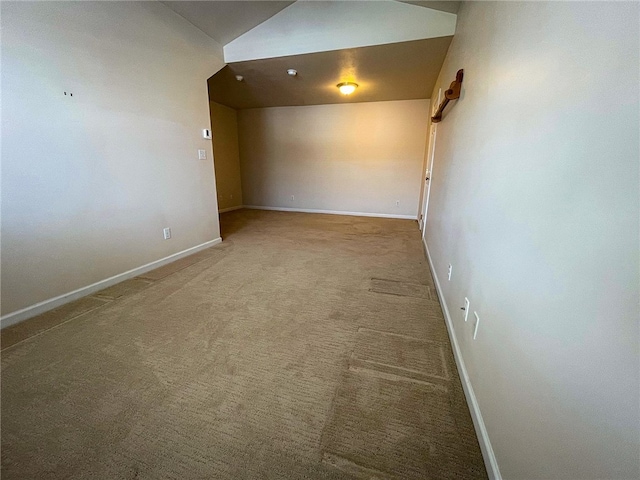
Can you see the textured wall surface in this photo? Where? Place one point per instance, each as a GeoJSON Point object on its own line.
{"type": "Point", "coordinates": [534, 202]}
{"type": "Point", "coordinates": [90, 180]}
{"type": "Point", "coordinates": [360, 157]}
{"type": "Point", "coordinates": [224, 125]}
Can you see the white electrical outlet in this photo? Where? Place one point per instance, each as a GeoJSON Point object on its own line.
{"type": "Point", "coordinates": [293, 198]}
{"type": "Point", "coordinates": [449, 272]}
{"type": "Point", "coordinates": [202, 154]}
{"type": "Point", "coordinates": [475, 329]}
{"type": "Point", "coordinates": [466, 309]}
{"type": "Point", "coordinates": [167, 233]}
{"type": "Point", "coordinates": [397, 203]}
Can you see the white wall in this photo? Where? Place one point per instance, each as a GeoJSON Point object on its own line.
{"type": "Point", "coordinates": [90, 180]}
{"type": "Point", "coordinates": [358, 157]}
{"type": "Point", "coordinates": [224, 126]}
{"type": "Point", "coordinates": [535, 203]}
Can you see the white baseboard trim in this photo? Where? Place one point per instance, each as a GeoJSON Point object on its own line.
{"type": "Point", "coordinates": [483, 436]}
{"type": "Point", "coordinates": [46, 305]}
{"type": "Point", "coordinates": [230, 209]}
{"type": "Point", "coordinates": [332, 212]}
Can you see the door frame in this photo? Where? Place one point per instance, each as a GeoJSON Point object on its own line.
{"type": "Point", "coordinates": [428, 173]}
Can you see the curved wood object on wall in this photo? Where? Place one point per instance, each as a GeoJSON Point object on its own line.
{"type": "Point", "coordinates": [452, 94]}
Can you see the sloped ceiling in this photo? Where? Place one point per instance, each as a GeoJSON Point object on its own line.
{"type": "Point", "coordinates": [392, 49]}
{"type": "Point", "coordinates": [225, 21]}
{"type": "Point", "coordinates": [318, 26]}
{"type": "Point", "coordinates": [444, 5]}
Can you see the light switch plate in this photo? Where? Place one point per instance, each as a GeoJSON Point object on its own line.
{"type": "Point", "coordinates": [202, 154]}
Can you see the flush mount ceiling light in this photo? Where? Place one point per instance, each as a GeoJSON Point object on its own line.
{"type": "Point", "coordinates": [239, 78]}
{"type": "Point", "coordinates": [292, 71]}
{"type": "Point", "coordinates": [347, 88]}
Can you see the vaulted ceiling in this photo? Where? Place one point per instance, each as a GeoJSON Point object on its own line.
{"type": "Point", "coordinates": [393, 50]}
{"type": "Point", "coordinates": [226, 21]}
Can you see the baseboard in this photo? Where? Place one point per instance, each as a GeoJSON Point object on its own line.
{"type": "Point", "coordinates": [481, 430]}
{"type": "Point", "coordinates": [332, 212]}
{"type": "Point", "coordinates": [41, 307]}
{"type": "Point", "coordinates": [230, 209]}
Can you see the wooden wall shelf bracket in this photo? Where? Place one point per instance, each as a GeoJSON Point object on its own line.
{"type": "Point", "coordinates": [452, 94]}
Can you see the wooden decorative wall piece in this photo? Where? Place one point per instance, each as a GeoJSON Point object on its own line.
{"type": "Point", "coordinates": [452, 94]}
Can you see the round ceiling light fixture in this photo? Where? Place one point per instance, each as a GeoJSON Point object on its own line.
{"type": "Point", "coordinates": [292, 71]}
{"type": "Point", "coordinates": [347, 88]}
{"type": "Point", "coordinates": [239, 78]}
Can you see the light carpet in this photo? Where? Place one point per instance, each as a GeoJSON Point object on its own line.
{"type": "Point", "coordinates": [304, 346]}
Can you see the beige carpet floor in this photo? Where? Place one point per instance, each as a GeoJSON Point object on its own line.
{"type": "Point", "coordinates": [302, 347]}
